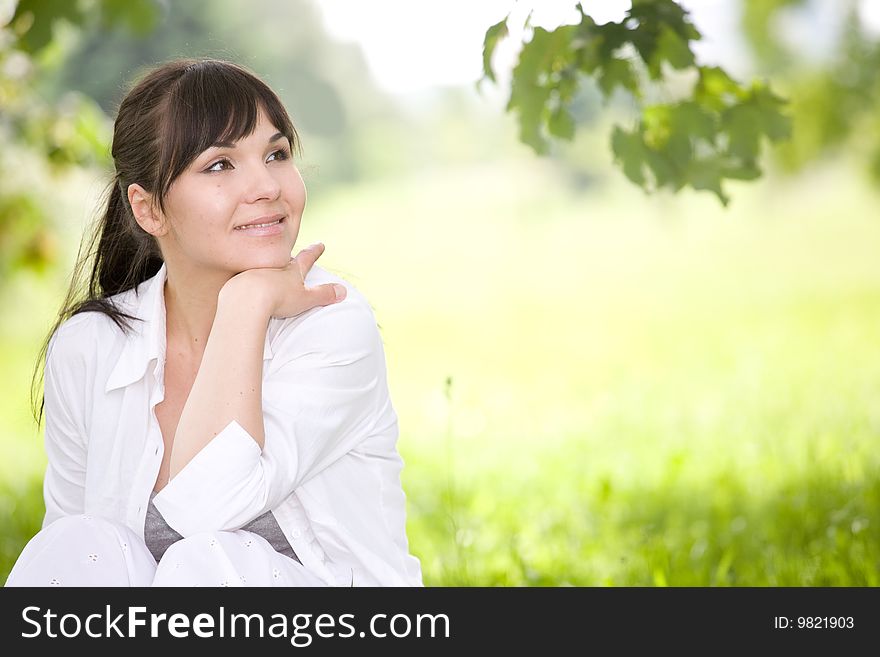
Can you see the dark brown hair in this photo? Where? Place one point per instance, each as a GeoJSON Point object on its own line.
{"type": "Point", "coordinates": [173, 114]}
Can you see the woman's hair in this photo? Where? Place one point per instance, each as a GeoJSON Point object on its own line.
{"type": "Point", "coordinates": [174, 113]}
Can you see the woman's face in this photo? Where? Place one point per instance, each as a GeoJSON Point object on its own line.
{"type": "Point", "coordinates": [228, 186]}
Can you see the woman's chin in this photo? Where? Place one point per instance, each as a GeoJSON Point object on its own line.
{"type": "Point", "coordinates": [268, 261]}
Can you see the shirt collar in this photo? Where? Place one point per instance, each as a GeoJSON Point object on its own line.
{"type": "Point", "coordinates": [146, 341]}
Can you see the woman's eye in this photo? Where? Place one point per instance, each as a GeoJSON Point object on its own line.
{"type": "Point", "coordinates": [213, 167]}
{"type": "Point", "coordinates": [280, 154]}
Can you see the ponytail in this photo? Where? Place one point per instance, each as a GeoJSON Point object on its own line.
{"type": "Point", "coordinates": [125, 256]}
{"type": "Point", "coordinates": [126, 253]}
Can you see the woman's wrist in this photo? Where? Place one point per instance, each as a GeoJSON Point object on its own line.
{"type": "Point", "coordinates": [246, 295]}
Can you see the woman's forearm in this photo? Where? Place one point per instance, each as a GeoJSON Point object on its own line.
{"type": "Point", "coordinates": [228, 385]}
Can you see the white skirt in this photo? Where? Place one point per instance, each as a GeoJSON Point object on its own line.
{"type": "Point", "coordinates": [92, 551]}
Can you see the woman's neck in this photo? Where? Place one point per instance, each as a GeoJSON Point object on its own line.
{"type": "Point", "coordinates": [190, 307]}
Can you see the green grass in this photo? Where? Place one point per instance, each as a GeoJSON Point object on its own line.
{"type": "Point", "coordinates": [642, 391]}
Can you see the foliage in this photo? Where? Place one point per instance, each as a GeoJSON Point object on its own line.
{"type": "Point", "coordinates": [713, 132]}
{"type": "Point", "coordinates": [759, 25]}
{"type": "Point", "coordinates": [35, 21]}
{"type": "Point", "coordinates": [70, 132]}
{"type": "Point", "coordinates": [835, 97]}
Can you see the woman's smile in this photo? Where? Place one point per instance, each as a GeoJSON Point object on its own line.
{"type": "Point", "coordinates": [262, 229]}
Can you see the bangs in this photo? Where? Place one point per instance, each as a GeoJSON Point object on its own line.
{"type": "Point", "coordinates": [213, 101]}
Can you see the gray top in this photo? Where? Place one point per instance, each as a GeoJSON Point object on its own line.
{"type": "Point", "coordinates": [159, 535]}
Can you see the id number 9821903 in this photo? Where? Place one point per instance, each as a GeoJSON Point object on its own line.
{"type": "Point", "coordinates": [813, 622]}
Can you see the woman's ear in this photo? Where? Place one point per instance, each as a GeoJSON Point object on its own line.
{"type": "Point", "coordinates": [148, 218]}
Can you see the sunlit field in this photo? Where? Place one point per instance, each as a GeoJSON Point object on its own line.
{"type": "Point", "coordinates": [595, 387]}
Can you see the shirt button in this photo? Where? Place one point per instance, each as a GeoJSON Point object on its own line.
{"type": "Point", "coordinates": [157, 451]}
{"type": "Point", "coordinates": [296, 533]}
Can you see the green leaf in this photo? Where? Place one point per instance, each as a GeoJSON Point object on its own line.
{"type": "Point", "coordinates": [529, 99]}
{"type": "Point", "coordinates": [493, 35]}
{"type": "Point", "coordinates": [742, 171]}
{"type": "Point", "coordinates": [661, 34]}
{"type": "Point", "coordinates": [777, 126]}
{"type": "Point", "coordinates": [548, 52]}
{"type": "Point", "coordinates": [610, 37]}
{"type": "Point", "coordinates": [688, 117]}
{"type": "Point", "coordinates": [713, 134]}
{"type": "Point", "coordinates": [758, 116]}
{"type": "Point", "coordinates": [673, 49]}
{"type": "Point", "coordinates": [542, 64]}
{"type": "Point", "coordinates": [629, 151]}
{"type": "Point", "coordinates": [586, 43]}
{"type": "Point", "coordinates": [663, 169]}
{"type": "Point", "coordinates": [743, 125]}
{"type": "Point", "coordinates": [707, 174]}
{"type": "Point", "coordinates": [715, 89]}
{"type": "Point", "coordinates": [567, 84]}
{"type": "Point", "coordinates": [665, 12]}
{"type": "Point", "coordinates": [657, 126]}
{"type": "Point", "coordinates": [34, 20]}
{"type": "Point", "coordinates": [561, 124]}
{"type": "Point", "coordinates": [617, 73]}
{"type": "Point", "coordinates": [531, 109]}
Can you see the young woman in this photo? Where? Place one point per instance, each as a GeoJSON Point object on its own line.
{"type": "Point", "coordinates": [217, 411]}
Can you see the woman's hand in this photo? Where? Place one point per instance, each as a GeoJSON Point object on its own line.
{"type": "Point", "coordinates": [284, 288]}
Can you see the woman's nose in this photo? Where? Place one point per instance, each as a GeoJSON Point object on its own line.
{"type": "Point", "coordinates": [261, 185]}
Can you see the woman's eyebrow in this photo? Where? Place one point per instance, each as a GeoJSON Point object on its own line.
{"type": "Point", "coordinates": [229, 144]}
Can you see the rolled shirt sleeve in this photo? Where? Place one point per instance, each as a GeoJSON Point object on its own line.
{"type": "Point", "coordinates": [322, 395]}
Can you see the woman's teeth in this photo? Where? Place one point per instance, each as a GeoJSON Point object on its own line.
{"type": "Point", "coordinates": [271, 223]}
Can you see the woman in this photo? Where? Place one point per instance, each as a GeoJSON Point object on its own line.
{"type": "Point", "coordinates": [217, 412]}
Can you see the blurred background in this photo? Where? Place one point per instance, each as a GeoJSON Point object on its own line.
{"type": "Point", "coordinates": [596, 386]}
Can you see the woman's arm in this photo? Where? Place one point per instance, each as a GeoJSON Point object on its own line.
{"type": "Point", "coordinates": [64, 482]}
{"type": "Point", "coordinates": [228, 385]}
{"type": "Point", "coordinates": [325, 393]}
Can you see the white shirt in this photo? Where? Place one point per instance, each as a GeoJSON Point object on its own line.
{"type": "Point", "coordinates": [329, 470]}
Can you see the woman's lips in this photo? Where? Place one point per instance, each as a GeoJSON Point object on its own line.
{"type": "Point", "coordinates": [261, 230]}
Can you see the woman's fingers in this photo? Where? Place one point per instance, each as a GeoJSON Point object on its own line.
{"type": "Point", "coordinates": [320, 295]}
{"type": "Point", "coordinates": [307, 257]}
{"type": "Point", "coordinates": [324, 295]}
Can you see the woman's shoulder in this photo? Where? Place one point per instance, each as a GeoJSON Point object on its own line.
{"type": "Point", "coordinates": [86, 332]}
{"type": "Point", "coordinates": [350, 323]}
{"type": "Point", "coordinates": [355, 300]}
